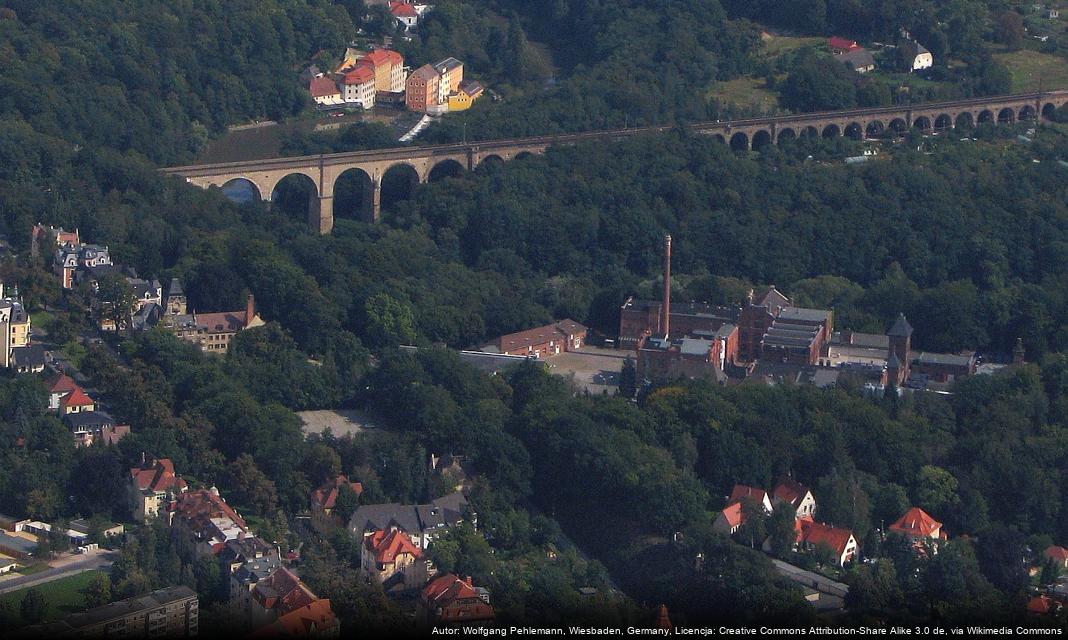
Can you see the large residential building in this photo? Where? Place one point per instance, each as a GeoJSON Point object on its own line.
{"type": "Point", "coordinates": [154, 488]}
{"type": "Point", "coordinates": [388, 67]}
{"type": "Point", "coordinates": [421, 91]}
{"type": "Point", "coordinates": [280, 594]}
{"type": "Point", "coordinates": [206, 522]}
{"type": "Point", "coordinates": [72, 262]}
{"type": "Point", "coordinates": [15, 326]}
{"type": "Point", "coordinates": [166, 613]}
{"type": "Point", "coordinates": [212, 332]}
{"type": "Point", "coordinates": [422, 522]}
{"type": "Point", "coordinates": [358, 87]}
{"type": "Point", "coordinates": [391, 558]}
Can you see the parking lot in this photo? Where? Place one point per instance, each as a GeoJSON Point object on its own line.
{"type": "Point", "coordinates": [594, 368]}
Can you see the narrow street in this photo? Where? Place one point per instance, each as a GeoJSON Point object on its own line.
{"type": "Point", "coordinates": [100, 560]}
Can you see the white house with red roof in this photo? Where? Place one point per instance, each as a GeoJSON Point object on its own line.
{"type": "Point", "coordinates": [405, 14]}
{"type": "Point", "coordinates": [325, 92]}
{"type": "Point", "coordinates": [66, 396]}
{"type": "Point", "coordinates": [358, 87]}
{"type": "Point", "coordinates": [154, 486]}
{"type": "Point", "coordinates": [840, 541]}
{"type": "Point", "coordinates": [792, 492]}
{"type": "Point", "coordinates": [745, 492]}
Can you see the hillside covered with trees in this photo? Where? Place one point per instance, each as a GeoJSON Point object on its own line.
{"type": "Point", "coordinates": [970, 239]}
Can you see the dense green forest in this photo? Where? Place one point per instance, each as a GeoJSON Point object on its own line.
{"type": "Point", "coordinates": [970, 239]}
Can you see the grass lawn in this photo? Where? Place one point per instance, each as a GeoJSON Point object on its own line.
{"type": "Point", "coordinates": [1032, 71]}
{"type": "Point", "coordinates": [776, 46]}
{"type": "Point", "coordinates": [37, 567]}
{"type": "Point", "coordinates": [746, 92]}
{"type": "Point", "coordinates": [64, 596]}
{"type": "Point", "coordinates": [41, 320]}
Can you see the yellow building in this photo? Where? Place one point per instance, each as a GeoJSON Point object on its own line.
{"type": "Point", "coordinates": [459, 101]}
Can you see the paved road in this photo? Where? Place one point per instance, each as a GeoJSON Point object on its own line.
{"type": "Point", "coordinates": [823, 584]}
{"type": "Point", "coordinates": [102, 560]}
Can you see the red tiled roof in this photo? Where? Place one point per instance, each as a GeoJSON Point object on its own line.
{"type": "Point", "coordinates": [446, 589]}
{"type": "Point", "coordinates": [382, 56]}
{"type": "Point", "coordinates": [540, 335]}
{"type": "Point", "coordinates": [326, 495]}
{"type": "Point", "coordinates": [790, 490]}
{"type": "Point", "coordinates": [1057, 554]}
{"type": "Point", "coordinates": [1040, 604]}
{"type": "Point", "coordinates": [917, 523]}
{"type": "Point", "coordinates": [387, 545]}
{"type": "Point", "coordinates": [63, 384]}
{"type": "Point", "coordinates": [360, 75]}
{"type": "Point", "coordinates": [77, 398]}
{"type": "Point", "coordinates": [842, 43]}
{"type": "Point", "coordinates": [310, 620]}
{"type": "Point", "coordinates": [816, 533]}
{"type": "Point", "coordinates": [223, 322]}
{"type": "Point", "coordinates": [157, 476]}
{"type": "Point", "coordinates": [403, 10]}
{"type": "Point", "coordinates": [198, 507]}
{"type": "Point", "coordinates": [734, 515]}
{"type": "Point", "coordinates": [323, 86]}
{"type": "Point", "coordinates": [283, 591]}
{"type": "Point", "coordinates": [742, 491]}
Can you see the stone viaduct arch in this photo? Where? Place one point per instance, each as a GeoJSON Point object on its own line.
{"type": "Point", "coordinates": [325, 170]}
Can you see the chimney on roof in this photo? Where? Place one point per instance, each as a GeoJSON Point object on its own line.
{"type": "Point", "coordinates": [250, 310]}
{"type": "Point", "coordinates": [666, 308]}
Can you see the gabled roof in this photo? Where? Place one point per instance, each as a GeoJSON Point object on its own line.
{"type": "Point", "coordinates": [198, 507]}
{"type": "Point", "coordinates": [1057, 554]}
{"type": "Point", "coordinates": [441, 591]}
{"type": "Point", "coordinates": [733, 514]}
{"type": "Point", "coordinates": [77, 398]}
{"type": "Point", "coordinates": [790, 490]}
{"type": "Point", "coordinates": [360, 75]}
{"type": "Point", "coordinates": [387, 545]}
{"type": "Point", "coordinates": [320, 87]}
{"type": "Point", "coordinates": [916, 523]}
{"type": "Point", "coordinates": [846, 44]}
{"type": "Point", "coordinates": [311, 620]}
{"type": "Point", "coordinates": [403, 10]}
{"type": "Point", "coordinates": [901, 327]}
{"type": "Point", "coordinates": [379, 57]}
{"type": "Point", "coordinates": [63, 384]}
{"type": "Point", "coordinates": [817, 533]}
{"type": "Point", "coordinates": [283, 591]}
{"type": "Point", "coordinates": [156, 476]}
{"type": "Point", "coordinates": [425, 72]}
{"type": "Point", "coordinates": [742, 491]}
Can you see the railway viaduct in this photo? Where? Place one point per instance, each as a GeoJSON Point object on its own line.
{"type": "Point", "coordinates": [322, 172]}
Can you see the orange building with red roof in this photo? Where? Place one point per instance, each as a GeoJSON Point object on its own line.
{"type": "Point", "coordinates": [393, 559]}
{"type": "Point", "coordinates": [917, 524]}
{"type": "Point", "coordinates": [449, 599]}
{"type": "Point", "coordinates": [324, 499]}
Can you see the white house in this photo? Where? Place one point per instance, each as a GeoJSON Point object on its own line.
{"type": "Point", "coordinates": [919, 56]}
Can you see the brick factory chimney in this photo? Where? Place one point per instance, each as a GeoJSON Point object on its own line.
{"type": "Point", "coordinates": [666, 308]}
